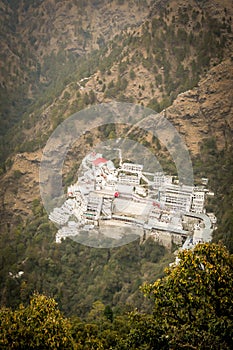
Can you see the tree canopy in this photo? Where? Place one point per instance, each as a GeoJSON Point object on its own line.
{"type": "Point", "coordinates": [192, 308]}
{"type": "Point", "coordinates": [40, 325]}
{"type": "Point", "coordinates": [193, 303]}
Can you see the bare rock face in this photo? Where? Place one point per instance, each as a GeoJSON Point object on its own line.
{"type": "Point", "coordinates": [206, 111]}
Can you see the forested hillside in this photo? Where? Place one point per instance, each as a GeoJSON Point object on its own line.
{"type": "Point", "coordinates": [59, 57]}
{"type": "Point", "coordinates": [179, 316]}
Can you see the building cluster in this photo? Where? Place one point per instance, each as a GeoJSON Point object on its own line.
{"type": "Point", "coordinates": [108, 195]}
{"type": "Point", "coordinates": [182, 198]}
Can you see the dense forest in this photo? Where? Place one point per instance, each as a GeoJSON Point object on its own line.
{"type": "Point", "coordinates": [190, 308]}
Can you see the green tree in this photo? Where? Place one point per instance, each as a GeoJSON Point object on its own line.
{"type": "Point", "coordinates": [97, 311]}
{"type": "Point", "coordinates": [108, 313]}
{"type": "Point", "coordinates": [145, 334]}
{"type": "Point", "coordinates": [193, 303]}
{"type": "Point", "coordinates": [132, 74]}
{"type": "Point", "coordinates": [40, 325]}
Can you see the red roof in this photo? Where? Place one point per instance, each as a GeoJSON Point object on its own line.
{"type": "Point", "coordinates": [98, 161]}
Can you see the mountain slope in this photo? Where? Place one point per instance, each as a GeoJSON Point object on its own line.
{"type": "Point", "coordinates": [42, 42]}
{"type": "Point", "coordinates": [149, 65]}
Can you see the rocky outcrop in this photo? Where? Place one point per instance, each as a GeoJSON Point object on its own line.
{"type": "Point", "coordinates": [206, 111]}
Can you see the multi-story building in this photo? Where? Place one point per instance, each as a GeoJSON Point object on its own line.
{"type": "Point", "coordinates": [132, 168]}
{"type": "Point", "coordinates": [160, 179]}
{"type": "Point", "coordinates": [129, 179]}
{"type": "Point", "coordinates": [93, 210]}
{"type": "Point", "coordinates": [198, 200]}
{"type": "Point", "coordinates": [176, 197]}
